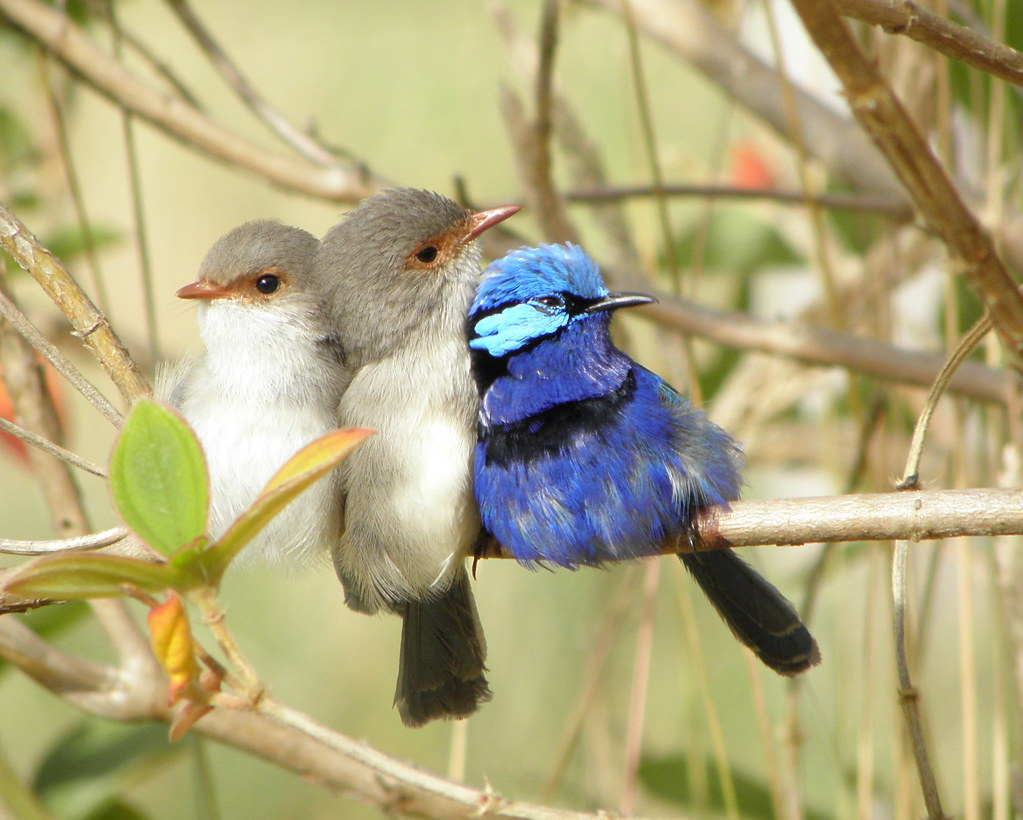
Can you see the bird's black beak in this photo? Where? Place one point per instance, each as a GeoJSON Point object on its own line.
{"type": "Point", "coordinates": [613, 301]}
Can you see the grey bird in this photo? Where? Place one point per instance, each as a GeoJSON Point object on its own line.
{"type": "Point", "coordinates": [399, 273]}
{"type": "Point", "coordinates": [266, 384]}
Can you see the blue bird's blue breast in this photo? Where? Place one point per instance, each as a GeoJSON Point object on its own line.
{"type": "Point", "coordinates": [603, 478]}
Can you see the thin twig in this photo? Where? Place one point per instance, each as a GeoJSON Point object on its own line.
{"type": "Point", "coordinates": [640, 689]}
{"type": "Point", "coordinates": [911, 475]}
{"type": "Point", "coordinates": [691, 31]}
{"type": "Point", "coordinates": [101, 9]}
{"type": "Point", "coordinates": [92, 541]}
{"type": "Point", "coordinates": [20, 322]}
{"type": "Point", "coordinates": [646, 127]}
{"type": "Point", "coordinates": [34, 410]}
{"type": "Point", "coordinates": [909, 696]}
{"type": "Point", "coordinates": [593, 677]}
{"type": "Point", "coordinates": [248, 93]}
{"type": "Point", "coordinates": [821, 346]}
{"type": "Point", "coordinates": [137, 208]}
{"type": "Point", "coordinates": [73, 186]}
{"type": "Point", "coordinates": [48, 446]}
{"type": "Point", "coordinates": [531, 138]}
{"type": "Point", "coordinates": [866, 203]}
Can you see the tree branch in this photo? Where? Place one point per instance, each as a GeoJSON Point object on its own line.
{"type": "Point", "coordinates": [920, 515]}
{"type": "Point", "coordinates": [249, 94]}
{"type": "Point", "coordinates": [828, 348]}
{"type": "Point", "coordinates": [951, 39]}
{"type": "Point", "coordinates": [60, 35]}
{"type": "Point", "coordinates": [272, 731]}
{"type": "Point", "coordinates": [87, 322]}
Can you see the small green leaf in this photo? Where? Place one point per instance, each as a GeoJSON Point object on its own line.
{"type": "Point", "coordinates": [158, 478]}
{"type": "Point", "coordinates": [308, 465]}
{"type": "Point", "coordinates": [72, 576]}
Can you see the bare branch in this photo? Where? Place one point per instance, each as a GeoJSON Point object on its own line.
{"type": "Point", "coordinates": [275, 733]}
{"type": "Point", "coordinates": [277, 122]}
{"type": "Point", "coordinates": [828, 348]}
{"type": "Point", "coordinates": [92, 541]}
{"type": "Point", "coordinates": [835, 201]}
{"type": "Point", "coordinates": [34, 410]}
{"type": "Point", "coordinates": [951, 39]}
{"type": "Point", "coordinates": [909, 697]}
{"type": "Point", "coordinates": [920, 515]}
{"type": "Point", "coordinates": [20, 322]}
{"type": "Point", "coordinates": [68, 42]}
{"type": "Point", "coordinates": [66, 675]}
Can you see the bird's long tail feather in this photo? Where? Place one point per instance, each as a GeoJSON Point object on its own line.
{"type": "Point", "coordinates": [757, 613]}
{"type": "Point", "coordinates": [443, 651]}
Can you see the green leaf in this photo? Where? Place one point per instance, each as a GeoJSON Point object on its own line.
{"type": "Point", "coordinates": [158, 478]}
{"type": "Point", "coordinates": [87, 768]}
{"type": "Point", "coordinates": [73, 576]}
{"type": "Point", "coordinates": [308, 465]}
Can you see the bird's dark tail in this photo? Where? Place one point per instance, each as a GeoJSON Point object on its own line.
{"type": "Point", "coordinates": [758, 615]}
{"type": "Point", "coordinates": [440, 671]}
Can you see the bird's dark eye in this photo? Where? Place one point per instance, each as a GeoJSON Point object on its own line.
{"type": "Point", "coordinates": [268, 283]}
{"type": "Point", "coordinates": [427, 254]}
{"type": "Point", "coordinates": [549, 304]}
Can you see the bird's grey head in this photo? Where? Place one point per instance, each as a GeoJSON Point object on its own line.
{"type": "Point", "coordinates": [262, 258]}
{"type": "Point", "coordinates": [405, 261]}
{"type": "Point", "coordinates": [257, 288]}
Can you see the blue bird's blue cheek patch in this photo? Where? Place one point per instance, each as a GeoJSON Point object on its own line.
{"type": "Point", "coordinates": [513, 328]}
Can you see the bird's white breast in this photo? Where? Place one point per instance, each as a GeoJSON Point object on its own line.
{"type": "Point", "coordinates": [260, 393]}
{"type": "Point", "coordinates": [410, 516]}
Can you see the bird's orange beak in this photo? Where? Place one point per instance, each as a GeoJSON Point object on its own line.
{"type": "Point", "coordinates": [481, 220]}
{"type": "Point", "coordinates": [202, 289]}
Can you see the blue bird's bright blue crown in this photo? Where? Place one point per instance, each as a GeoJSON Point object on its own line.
{"type": "Point", "coordinates": [529, 273]}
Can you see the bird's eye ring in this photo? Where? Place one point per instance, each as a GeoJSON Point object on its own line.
{"type": "Point", "coordinates": [549, 304]}
{"type": "Point", "coordinates": [427, 254]}
{"type": "Point", "coordinates": [268, 283]}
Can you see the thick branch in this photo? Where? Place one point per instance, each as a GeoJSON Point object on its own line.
{"type": "Point", "coordinates": [951, 39]}
{"type": "Point", "coordinates": [921, 515]}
